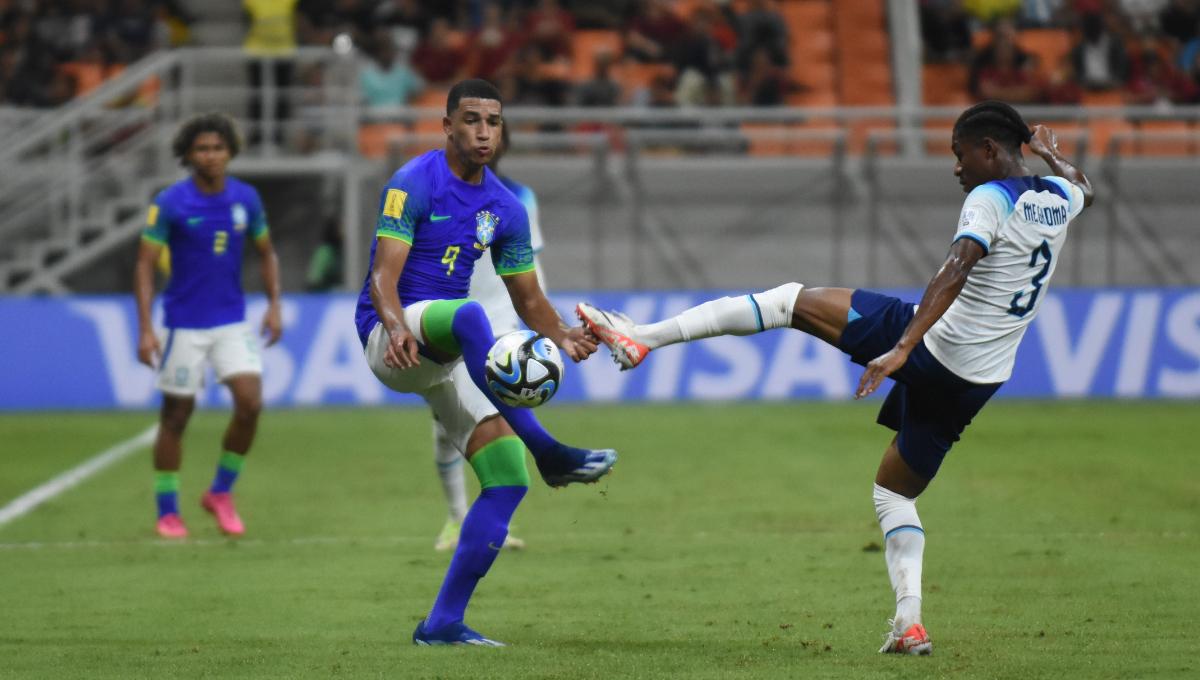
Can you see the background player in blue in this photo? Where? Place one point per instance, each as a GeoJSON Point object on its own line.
{"type": "Point", "coordinates": [437, 216]}
{"type": "Point", "coordinates": [948, 355]}
{"type": "Point", "coordinates": [204, 221]}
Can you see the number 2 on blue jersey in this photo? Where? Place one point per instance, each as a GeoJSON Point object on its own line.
{"type": "Point", "coordinates": [1016, 308]}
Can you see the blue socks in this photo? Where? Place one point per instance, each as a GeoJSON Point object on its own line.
{"type": "Point", "coordinates": [483, 533]}
{"type": "Point", "coordinates": [166, 492]}
{"type": "Point", "coordinates": [227, 472]}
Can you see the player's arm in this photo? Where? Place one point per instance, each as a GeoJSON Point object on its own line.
{"type": "Point", "coordinates": [390, 256]}
{"type": "Point", "coordinates": [395, 231]}
{"type": "Point", "coordinates": [1045, 144]}
{"type": "Point", "coordinates": [272, 324]}
{"type": "Point", "coordinates": [154, 239]}
{"type": "Point", "coordinates": [939, 294]}
{"type": "Point", "coordinates": [148, 350]}
{"type": "Point", "coordinates": [537, 313]}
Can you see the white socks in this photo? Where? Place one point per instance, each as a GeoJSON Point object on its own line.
{"type": "Point", "coordinates": [450, 468]}
{"type": "Point", "coordinates": [744, 315]}
{"type": "Point", "coordinates": [904, 546]}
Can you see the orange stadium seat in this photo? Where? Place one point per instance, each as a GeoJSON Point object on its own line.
{"type": "Point", "coordinates": [1168, 146]}
{"type": "Point", "coordinates": [944, 85]}
{"type": "Point", "coordinates": [585, 45]}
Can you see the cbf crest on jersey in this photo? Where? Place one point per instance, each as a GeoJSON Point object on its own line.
{"type": "Point", "coordinates": [239, 216]}
{"type": "Point", "coordinates": [485, 228]}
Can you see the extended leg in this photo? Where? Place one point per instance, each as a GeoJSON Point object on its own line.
{"type": "Point", "coordinates": [821, 312]}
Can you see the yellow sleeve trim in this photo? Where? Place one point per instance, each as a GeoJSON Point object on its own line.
{"type": "Point", "coordinates": [152, 215]}
{"type": "Point", "coordinates": [395, 237]}
{"type": "Point", "coordinates": [517, 270]}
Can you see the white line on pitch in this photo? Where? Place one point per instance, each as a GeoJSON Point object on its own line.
{"type": "Point", "coordinates": [35, 497]}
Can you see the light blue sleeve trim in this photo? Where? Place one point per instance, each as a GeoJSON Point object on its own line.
{"type": "Point", "coordinates": [974, 237]}
{"type": "Point", "coordinates": [1004, 202]}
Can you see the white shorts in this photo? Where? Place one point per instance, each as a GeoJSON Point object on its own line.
{"type": "Point", "coordinates": [231, 350]}
{"type": "Point", "coordinates": [455, 400]}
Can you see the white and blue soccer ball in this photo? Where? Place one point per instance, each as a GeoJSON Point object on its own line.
{"type": "Point", "coordinates": [524, 369]}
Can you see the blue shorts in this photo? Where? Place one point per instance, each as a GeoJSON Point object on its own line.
{"type": "Point", "coordinates": [929, 406]}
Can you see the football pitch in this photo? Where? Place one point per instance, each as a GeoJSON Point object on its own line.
{"type": "Point", "coordinates": [732, 541]}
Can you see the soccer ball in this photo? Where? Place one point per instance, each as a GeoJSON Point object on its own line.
{"type": "Point", "coordinates": [524, 369]}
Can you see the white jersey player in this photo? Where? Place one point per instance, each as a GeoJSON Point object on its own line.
{"type": "Point", "coordinates": [948, 355]}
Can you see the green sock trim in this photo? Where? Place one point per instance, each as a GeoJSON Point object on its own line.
{"type": "Point", "coordinates": [501, 463]}
{"type": "Point", "coordinates": [437, 325]}
{"type": "Point", "coordinates": [166, 482]}
{"type": "Point", "coordinates": [232, 461]}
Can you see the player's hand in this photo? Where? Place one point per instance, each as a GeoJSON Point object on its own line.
{"type": "Point", "coordinates": [880, 367]}
{"type": "Point", "coordinates": [402, 349]}
{"type": "Point", "coordinates": [149, 351]}
{"type": "Point", "coordinates": [272, 324]}
{"type": "Point", "coordinates": [1044, 142]}
{"type": "Point", "coordinates": [577, 343]}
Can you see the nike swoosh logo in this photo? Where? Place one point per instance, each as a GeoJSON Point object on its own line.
{"type": "Point", "coordinates": [439, 218]}
{"type": "Point", "coordinates": [193, 221]}
{"type": "Point", "coordinates": [493, 546]}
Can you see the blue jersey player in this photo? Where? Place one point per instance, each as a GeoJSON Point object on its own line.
{"type": "Point", "coordinates": [437, 216]}
{"type": "Point", "coordinates": [204, 221]}
{"type": "Point", "coordinates": [948, 355]}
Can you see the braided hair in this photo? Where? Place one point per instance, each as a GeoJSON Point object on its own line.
{"type": "Point", "coordinates": [206, 122]}
{"type": "Point", "coordinates": [996, 120]}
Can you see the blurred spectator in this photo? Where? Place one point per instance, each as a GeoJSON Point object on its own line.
{"type": "Point", "coordinates": [765, 83]}
{"type": "Point", "coordinates": [1187, 53]}
{"type": "Point", "coordinates": [90, 70]}
{"type": "Point", "coordinates": [134, 29]}
{"type": "Point", "coordinates": [653, 31]}
{"type": "Point", "coordinates": [271, 34]}
{"type": "Point", "coordinates": [1099, 59]}
{"type": "Point", "coordinates": [1008, 73]}
{"type": "Point", "coordinates": [987, 11]}
{"type": "Point", "coordinates": [1179, 20]}
{"type": "Point", "coordinates": [549, 28]}
{"type": "Point", "coordinates": [440, 57]}
{"type": "Point", "coordinates": [945, 30]}
{"type": "Point", "coordinates": [385, 79]}
{"type": "Point", "coordinates": [1142, 15]}
{"type": "Point", "coordinates": [493, 45]}
{"type": "Point", "coordinates": [536, 81]}
{"type": "Point", "coordinates": [1194, 72]}
{"type": "Point", "coordinates": [601, 90]}
{"type": "Point", "coordinates": [1002, 70]}
{"type": "Point", "coordinates": [704, 77]}
{"type": "Point", "coordinates": [761, 27]}
{"type": "Point", "coordinates": [1043, 13]}
{"type": "Point", "coordinates": [1154, 79]}
{"type": "Point", "coordinates": [608, 14]}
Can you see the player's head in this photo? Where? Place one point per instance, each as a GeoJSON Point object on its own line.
{"type": "Point", "coordinates": [987, 143]}
{"type": "Point", "coordinates": [206, 143]}
{"type": "Point", "coordinates": [473, 122]}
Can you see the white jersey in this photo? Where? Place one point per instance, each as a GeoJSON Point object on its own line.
{"type": "Point", "coordinates": [1021, 222]}
{"type": "Point", "coordinates": [486, 285]}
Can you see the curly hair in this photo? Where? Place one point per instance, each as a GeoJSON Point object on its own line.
{"type": "Point", "coordinates": [996, 120]}
{"type": "Point", "coordinates": [206, 122]}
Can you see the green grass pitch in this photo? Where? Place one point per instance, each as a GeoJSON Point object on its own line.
{"type": "Point", "coordinates": [732, 541]}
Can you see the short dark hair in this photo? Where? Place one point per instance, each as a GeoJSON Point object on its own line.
{"type": "Point", "coordinates": [996, 120]}
{"type": "Point", "coordinates": [474, 88]}
{"type": "Point", "coordinates": [205, 122]}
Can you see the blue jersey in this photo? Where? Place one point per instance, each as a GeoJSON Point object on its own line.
{"type": "Point", "coordinates": [206, 234]}
{"type": "Point", "coordinates": [449, 224]}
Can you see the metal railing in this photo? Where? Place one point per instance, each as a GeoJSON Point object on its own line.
{"type": "Point", "coordinates": [76, 172]}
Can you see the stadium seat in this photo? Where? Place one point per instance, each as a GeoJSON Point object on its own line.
{"type": "Point", "coordinates": [1170, 146]}
{"type": "Point", "coordinates": [944, 85]}
{"type": "Point", "coordinates": [584, 47]}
